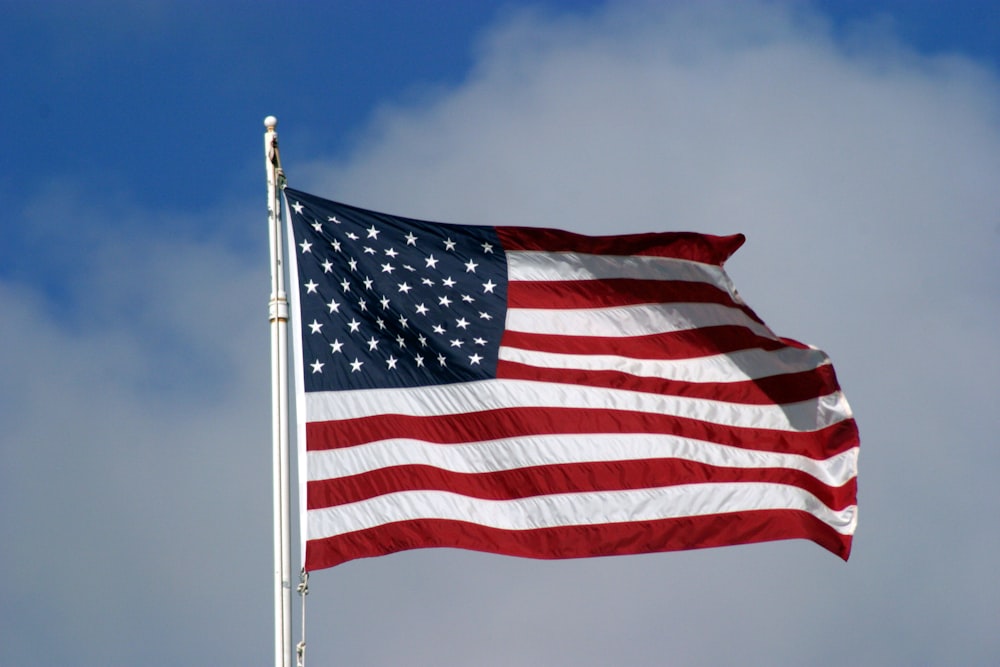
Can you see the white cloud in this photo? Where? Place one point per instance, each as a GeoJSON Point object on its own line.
{"type": "Point", "coordinates": [135, 450]}
{"type": "Point", "coordinates": [864, 176]}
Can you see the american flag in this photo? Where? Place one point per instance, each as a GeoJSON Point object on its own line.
{"type": "Point", "coordinates": [540, 393]}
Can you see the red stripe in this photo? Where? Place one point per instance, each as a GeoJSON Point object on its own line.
{"type": "Point", "coordinates": [778, 389]}
{"type": "Point", "coordinates": [673, 345]}
{"type": "Point", "coordinates": [563, 478]}
{"type": "Point", "coordinates": [580, 541]}
{"type": "Point", "coordinates": [703, 248]}
{"type": "Point", "coordinates": [611, 292]}
{"type": "Point", "coordinates": [514, 422]}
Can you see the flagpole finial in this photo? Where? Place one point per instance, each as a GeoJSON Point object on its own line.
{"type": "Point", "coordinates": [270, 122]}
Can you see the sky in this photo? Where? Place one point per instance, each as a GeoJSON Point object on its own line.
{"type": "Point", "coordinates": [856, 144]}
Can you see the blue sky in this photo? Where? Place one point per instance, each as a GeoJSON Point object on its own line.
{"type": "Point", "coordinates": [856, 144]}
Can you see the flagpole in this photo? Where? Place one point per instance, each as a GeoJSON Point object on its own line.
{"type": "Point", "coordinates": [278, 315]}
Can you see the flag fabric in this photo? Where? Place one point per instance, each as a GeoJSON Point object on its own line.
{"type": "Point", "coordinates": [540, 393]}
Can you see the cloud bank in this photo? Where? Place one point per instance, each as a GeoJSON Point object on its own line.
{"type": "Point", "coordinates": [864, 177]}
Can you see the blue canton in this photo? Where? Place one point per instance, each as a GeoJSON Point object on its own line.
{"type": "Point", "coordinates": [387, 301]}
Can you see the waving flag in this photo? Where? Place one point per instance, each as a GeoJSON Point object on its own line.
{"type": "Point", "coordinates": [540, 393]}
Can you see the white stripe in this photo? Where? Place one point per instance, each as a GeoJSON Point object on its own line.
{"type": "Point", "coordinates": [461, 398]}
{"type": "Point", "coordinates": [546, 450]}
{"type": "Point", "coordinates": [529, 265]}
{"type": "Point", "coordinates": [575, 509]}
{"type": "Point", "coordinates": [624, 321]}
{"type": "Point", "coordinates": [736, 366]}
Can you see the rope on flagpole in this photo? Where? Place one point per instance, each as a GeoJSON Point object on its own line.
{"type": "Point", "coordinates": [300, 648]}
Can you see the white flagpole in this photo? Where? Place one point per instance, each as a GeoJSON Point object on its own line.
{"type": "Point", "coordinates": [278, 315]}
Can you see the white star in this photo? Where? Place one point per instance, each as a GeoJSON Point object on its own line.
{"type": "Point", "coordinates": [362, 304]}
{"type": "Point", "coordinates": [489, 286]}
{"type": "Point", "coordinates": [448, 282]}
{"type": "Point", "coordinates": [334, 306]}
{"type": "Point", "coordinates": [411, 239]}
{"type": "Point", "coordinates": [335, 346]}
{"type": "Point", "coordinates": [479, 341]}
{"type": "Point", "coordinates": [380, 323]}
{"type": "Point", "coordinates": [391, 363]}
{"type": "Point", "coordinates": [311, 287]}
{"type": "Point", "coordinates": [431, 262]}
{"type": "Point", "coordinates": [315, 327]}
{"type": "Point", "coordinates": [488, 248]}
{"type": "Point", "coordinates": [444, 301]}
{"type": "Point", "coordinates": [449, 245]}
{"type": "Point", "coordinates": [317, 226]}
{"type": "Point", "coordinates": [421, 340]}
{"type": "Point", "coordinates": [438, 329]}
{"type": "Point", "coordinates": [466, 298]}
{"type": "Point", "coordinates": [391, 253]}
{"type": "Point", "coordinates": [352, 236]}
{"type": "Point", "coordinates": [442, 360]}
{"type": "Point", "coordinates": [403, 323]}
{"type": "Point", "coordinates": [485, 316]}
{"type": "Point", "coordinates": [333, 219]}
{"type": "Point", "coordinates": [345, 285]}
{"type": "Point", "coordinates": [409, 268]}
{"type": "Point", "coordinates": [327, 266]}
{"type": "Point", "coordinates": [372, 232]}
{"type": "Point", "coordinates": [317, 366]}
{"type": "Point", "coordinates": [461, 323]}
{"type": "Point", "coordinates": [336, 245]}
{"type": "Point", "coordinates": [401, 341]}
{"type": "Point", "coordinates": [427, 281]}
{"type": "Point", "coordinates": [356, 365]}
{"type": "Point", "coordinates": [422, 309]}
{"type": "Point", "coordinates": [354, 325]}
{"type": "Point", "coordinates": [306, 247]}
{"type": "Point", "coordinates": [368, 283]}
{"type": "Point", "coordinates": [457, 342]}
{"type": "Point", "coordinates": [384, 301]}
{"type": "Point", "coordinates": [372, 343]}
{"type": "Point", "coordinates": [420, 361]}
{"type": "Point", "coordinates": [369, 250]}
{"type": "Point", "coordinates": [470, 266]}
{"type": "Point", "coordinates": [353, 264]}
{"type": "Point", "coordinates": [475, 359]}
{"type": "Point", "coordinates": [404, 288]}
{"type": "Point", "coordinates": [298, 207]}
{"type": "Point", "coordinates": [388, 268]}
